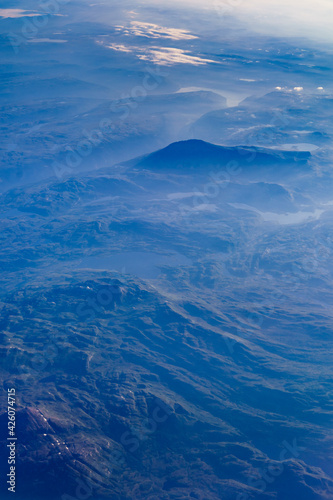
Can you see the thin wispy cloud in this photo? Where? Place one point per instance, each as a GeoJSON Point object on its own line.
{"type": "Point", "coordinates": [46, 40]}
{"type": "Point", "coordinates": [15, 13]}
{"type": "Point", "coordinates": [117, 47]}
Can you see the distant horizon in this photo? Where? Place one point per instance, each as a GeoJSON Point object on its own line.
{"type": "Point", "coordinates": [298, 18]}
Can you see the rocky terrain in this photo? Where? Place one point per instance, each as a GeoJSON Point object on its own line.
{"type": "Point", "coordinates": [165, 252]}
{"type": "Point", "coordinates": [166, 340]}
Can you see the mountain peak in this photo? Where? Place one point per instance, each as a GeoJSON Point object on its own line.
{"type": "Point", "coordinates": [197, 154]}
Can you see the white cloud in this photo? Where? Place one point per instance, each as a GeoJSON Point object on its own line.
{"type": "Point", "coordinates": [163, 56]}
{"type": "Point", "coordinates": [150, 30]}
{"type": "Point", "coordinates": [167, 56]}
{"type": "Point", "coordinates": [117, 47]}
